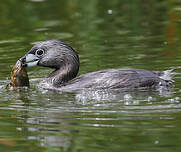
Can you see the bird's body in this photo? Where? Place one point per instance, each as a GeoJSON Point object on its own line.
{"type": "Point", "coordinates": [112, 79]}
{"type": "Point", "coordinates": [60, 56]}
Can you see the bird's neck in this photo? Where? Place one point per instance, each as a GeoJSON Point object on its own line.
{"type": "Point", "coordinates": [62, 75]}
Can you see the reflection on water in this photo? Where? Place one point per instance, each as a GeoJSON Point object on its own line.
{"type": "Point", "coordinates": [106, 34]}
{"type": "Point", "coordinates": [66, 120]}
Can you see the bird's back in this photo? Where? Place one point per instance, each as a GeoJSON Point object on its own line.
{"type": "Point", "coordinates": [115, 79]}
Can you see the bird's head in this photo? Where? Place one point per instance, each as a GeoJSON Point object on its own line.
{"type": "Point", "coordinates": [54, 54]}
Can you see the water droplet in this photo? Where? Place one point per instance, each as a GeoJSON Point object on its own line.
{"type": "Point", "coordinates": [165, 43]}
{"type": "Point", "coordinates": [109, 11]}
{"type": "Point", "coordinates": [177, 98]}
{"type": "Point", "coordinates": [127, 97]}
{"type": "Point", "coordinates": [150, 98]}
{"type": "Point", "coordinates": [19, 129]}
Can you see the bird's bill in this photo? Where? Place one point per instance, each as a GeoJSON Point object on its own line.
{"type": "Point", "coordinates": [30, 60]}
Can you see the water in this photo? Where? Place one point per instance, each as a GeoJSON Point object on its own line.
{"type": "Point", "coordinates": [106, 34]}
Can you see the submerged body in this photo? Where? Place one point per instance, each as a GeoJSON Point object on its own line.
{"type": "Point", "coordinates": [63, 58]}
{"type": "Point", "coordinates": [19, 76]}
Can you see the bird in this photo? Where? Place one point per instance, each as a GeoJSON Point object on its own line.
{"type": "Point", "coordinates": [64, 60]}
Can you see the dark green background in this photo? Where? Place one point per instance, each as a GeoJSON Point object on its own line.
{"type": "Point", "coordinates": [106, 34]}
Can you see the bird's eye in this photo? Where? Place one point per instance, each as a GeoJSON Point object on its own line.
{"type": "Point", "coordinates": [39, 52]}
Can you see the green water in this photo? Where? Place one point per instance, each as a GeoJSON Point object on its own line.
{"type": "Point", "coordinates": [106, 34]}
